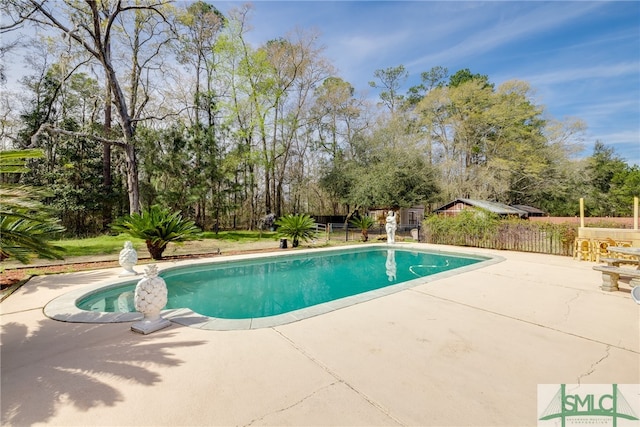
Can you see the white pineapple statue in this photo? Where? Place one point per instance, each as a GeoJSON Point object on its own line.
{"type": "Point", "coordinates": [127, 259]}
{"type": "Point", "coordinates": [149, 298]}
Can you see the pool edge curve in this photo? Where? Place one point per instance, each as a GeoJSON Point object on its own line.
{"type": "Point", "coordinates": [63, 308]}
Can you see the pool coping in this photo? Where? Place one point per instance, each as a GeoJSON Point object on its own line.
{"type": "Point", "coordinates": [63, 308]}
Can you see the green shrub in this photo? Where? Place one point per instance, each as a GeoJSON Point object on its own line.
{"type": "Point", "coordinates": [364, 223]}
{"type": "Point", "coordinates": [470, 225]}
{"type": "Point", "coordinates": [297, 227]}
{"type": "Point", "coordinates": [483, 229]}
{"type": "Point", "coordinates": [157, 227]}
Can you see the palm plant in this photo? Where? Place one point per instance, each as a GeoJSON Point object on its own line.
{"type": "Point", "coordinates": [25, 226]}
{"type": "Point", "coordinates": [297, 227]}
{"type": "Point", "coordinates": [364, 223]}
{"type": "Point", "coordinates": [23, 236]}
{"type": "Point", "coordinates": [158, 227]}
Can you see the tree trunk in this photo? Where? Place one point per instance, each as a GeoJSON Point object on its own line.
{"type": "Point", "coordinates": [278, 199]}
{"type": "Point", "coordinates": [155, 250]}
{"type": "Point", "coordinates": [132, 178]}
{"type": "Point", "coordinates": [267, 191]}
{"type": "Point", "coordinates": [106, 164]}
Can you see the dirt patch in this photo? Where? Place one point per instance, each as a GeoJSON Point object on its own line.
{"type": "Point", "coordinates": [11, 277]}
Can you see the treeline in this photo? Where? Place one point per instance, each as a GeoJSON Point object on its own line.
{"type": "Point", "coordinates": [167, 103]}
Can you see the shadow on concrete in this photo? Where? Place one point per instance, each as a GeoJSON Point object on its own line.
{"type": "Point", "coordinates": [65, 280]}
{"type": "Point", "coordinates": [62, 364]}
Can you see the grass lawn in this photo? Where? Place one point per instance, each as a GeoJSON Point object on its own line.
{"type": "Point", "coordinates": [225, 241]}
{"type": "Point", "coordinates": [108, 244]}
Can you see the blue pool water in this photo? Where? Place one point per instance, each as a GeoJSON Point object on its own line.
{"type": "Point", "coordinates": [271, 286]}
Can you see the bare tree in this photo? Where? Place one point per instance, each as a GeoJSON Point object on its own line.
{"type": "Point", "coordinates": [140, 29]}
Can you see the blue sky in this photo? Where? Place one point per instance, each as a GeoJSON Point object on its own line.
{"type": "Point", "coordinates": [581, 58]}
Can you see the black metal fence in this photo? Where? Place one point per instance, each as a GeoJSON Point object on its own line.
{"type": "Point", "coordinates": [337, 231]}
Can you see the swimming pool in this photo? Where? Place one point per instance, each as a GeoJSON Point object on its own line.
{"type": "Point", "coordinates": [273, 289]}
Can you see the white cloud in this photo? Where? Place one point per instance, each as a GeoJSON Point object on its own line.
{"type": "Point", "coordinates": [361, 48]}
{"type": "Point", "coordinates": [584, 73]}
{"type": "Point", "coordinates": [504, 23]}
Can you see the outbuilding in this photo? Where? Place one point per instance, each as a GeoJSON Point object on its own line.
{"type": "Point", "coordinates": [458, 205]}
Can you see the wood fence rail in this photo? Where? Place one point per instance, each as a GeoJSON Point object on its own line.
{"type": "Point", "coordinates": [512, 237]}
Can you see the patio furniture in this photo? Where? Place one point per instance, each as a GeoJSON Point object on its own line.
{"type": "Point", "coordinates": [582, 249]}
{"type": "Point", "coordinates": [593, 249]}
{"type": "Point", "coordinates": [611, 273]}
{"type": "Point", "coordinates": [615, 262]}
{"type": "Point", "coordinates": [601, 247]}
{"type": "Point", "coordinates": [624, 244]}
{"type": "Point", "coordinates": [611, 276]}
{"type": "Point", "coordinates": [627, 253]}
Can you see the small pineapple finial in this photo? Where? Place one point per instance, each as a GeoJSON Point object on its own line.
{"type": "Point", "coordinates": [128, 258]}
{"type": "Point", "coordinates": [151, 270]}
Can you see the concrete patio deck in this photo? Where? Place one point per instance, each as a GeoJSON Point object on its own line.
{"type": "Point", "coordinates": [468, 350]}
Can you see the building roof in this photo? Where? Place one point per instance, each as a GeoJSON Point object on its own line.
{"type": "Point", "coordinates": [530, 209]}
{"type": "Point", "coordinates": [495, 207]}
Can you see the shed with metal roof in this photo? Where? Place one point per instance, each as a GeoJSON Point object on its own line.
{"type": "Point", "coordinates": [458, 205]}
{"type": "Point", "coordinates": [530, 210]}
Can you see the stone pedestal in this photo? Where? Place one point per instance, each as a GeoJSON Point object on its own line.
{"type": "Point", "coordinates": [147, 326]}
{"type": "Point", "coordinates": [610, 282]}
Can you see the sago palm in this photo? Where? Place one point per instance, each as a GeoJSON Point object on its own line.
{"type": "Point", "coordinates": [364, 223]}
{"type": "Point", "coordinates": [297, 227]}
{"type": "Point", "coordinates": [21, 237]}
{"type": "Point", "coordinates": [158, 227]}
{"type": "Point", "coordinates": [25, 225]}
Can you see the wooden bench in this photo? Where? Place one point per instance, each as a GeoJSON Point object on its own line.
{"type": "Point", "coordinates": [611, 274]}
{"type": "Point", "coordinates": [615, 262]}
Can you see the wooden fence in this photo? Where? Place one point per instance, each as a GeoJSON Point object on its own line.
{"type": "Point", "coordinates": [590, 221]}
{"type": "Point", "coordinates": [522, 236]}
{"type": "Point", "coordinates": [513, 237]}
